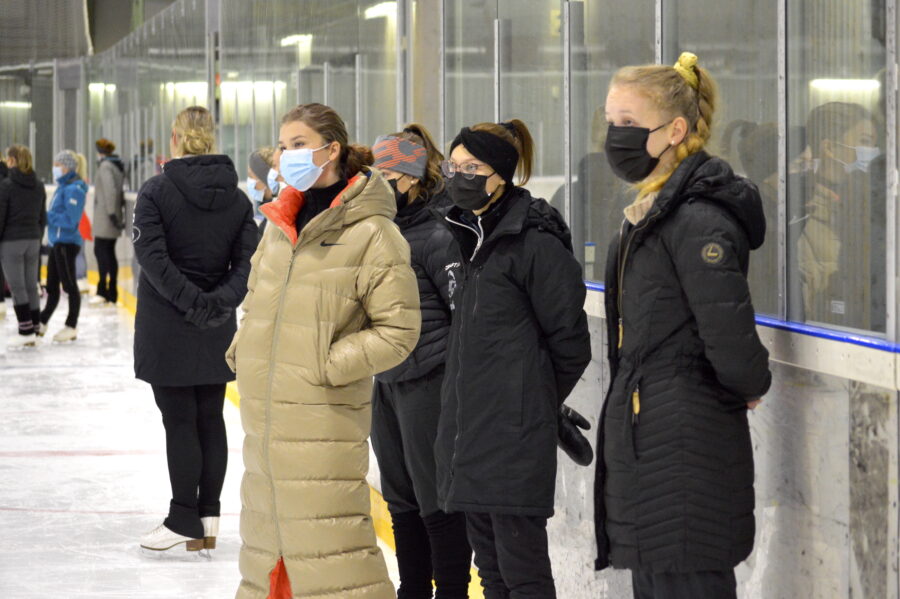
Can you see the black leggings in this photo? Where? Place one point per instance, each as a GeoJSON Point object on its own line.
{"type": "Point", "coordinates": [61, 270]}
{"type": "Point", "coordinates": [197, 452]}
{"type": "Point", "coordinates": [108, 268]}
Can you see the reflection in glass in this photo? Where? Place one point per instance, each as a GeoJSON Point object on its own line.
{"type": "Point", "coordinates": [836, 186]}
{"type": "Point", "coordinates": [605, 37]}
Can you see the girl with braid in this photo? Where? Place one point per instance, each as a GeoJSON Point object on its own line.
{"type": "Point", "coordinates": [674, 488]}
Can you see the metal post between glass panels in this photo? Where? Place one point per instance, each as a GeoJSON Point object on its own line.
{"type": "Point", "coordinates": [442, 86]}
{"type": "Point", "coordinates": [782, 161]}
{"type": "Point", "coordinates": [893, 225]}
{"type": "Point", "coordinates": [497, 34]}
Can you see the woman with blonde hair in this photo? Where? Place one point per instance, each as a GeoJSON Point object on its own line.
{"type": "Point", "coordinates": [193, 238]}
{"type": "Point", "coordinates": [63, 219]}
{"type": "Point", "coordinates": [23, 217]}
{"type": "Point", "coordinates": [332, 301]}
{"type": "Point", "coordinates": [674, 488]}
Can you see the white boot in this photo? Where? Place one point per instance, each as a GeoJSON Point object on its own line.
{"type": "Point", "coordinates": [97, 301]}
{"type": "Point", "coordinates": [161, 538]}
{"type": "Point", "coordinates": [210, 531]}
{"type": "Point", "coordinates": [67, 334]}
{"type": "Point", "coordinates": [41, 330]}
{"type": "Point", "coordinates": [19, 341]}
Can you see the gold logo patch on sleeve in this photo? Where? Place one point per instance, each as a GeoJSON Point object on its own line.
{"type": "Point", "coordinates": [712, 253]}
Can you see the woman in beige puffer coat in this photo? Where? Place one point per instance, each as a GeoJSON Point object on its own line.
{"type": "Point", "coordinates": [332, 301]}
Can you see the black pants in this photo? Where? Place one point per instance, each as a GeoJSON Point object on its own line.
{"type": "Point", "coordinates": [683, 585]}
{"type": "Point", "coordinates": [512, 556]}
{"type": "Point", "coordinates": [431, 545]}
{"type": "Point", "coordinates": [197, 453]}
{"type": "Point", "coordinates": [61, 271]}
{"type": "Point", "coordinates": [108, 268]}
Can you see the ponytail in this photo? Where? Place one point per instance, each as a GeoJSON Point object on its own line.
{"type": "Point", "coordinates": [516, 133]}
{"type": "Point", "coordinates": [353, 158]}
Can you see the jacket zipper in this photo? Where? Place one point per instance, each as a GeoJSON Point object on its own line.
{"type": "Point", "coordinates": [269, 391]}
{"type": "Point", "coordinates": [458, 402]}
{"type": "Point", "coordinates": [479, 233]}
{"type": "Point", "coordinates": [623, 258]}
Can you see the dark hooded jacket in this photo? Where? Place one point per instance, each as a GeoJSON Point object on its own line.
{"type": "Point", "coordinates": [23, 207]}
{"type": "Point", "coordinates": [674, 487]}
{"type": "Point", "coordinates": [432, 253]}
{"type": "Point", "coordinates": [194, 234]}
{"type": "Point", "coordinates": [519, 343]}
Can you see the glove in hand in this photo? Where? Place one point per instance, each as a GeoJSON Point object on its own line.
{"type": "Point", "coordinates": [571, 440]}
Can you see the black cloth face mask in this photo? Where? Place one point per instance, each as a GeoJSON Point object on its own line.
{"type": "Point", "coordinates": [401, 196]}
{"type": "Point", "coordinates": [469, 194]}
{"type": "Point", "coordinates": [626, 152]}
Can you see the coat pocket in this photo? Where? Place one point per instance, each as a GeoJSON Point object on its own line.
{"type": "Point", "coordinates": [632, 417]}
{"type": "Point", "coordinates": [324, 339]}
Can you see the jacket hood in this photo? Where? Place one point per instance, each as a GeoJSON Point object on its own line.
{"type": "Point", "coordinates": [116, 161]}
{"type": "Point", "coordinates": [544, 217]}
{"type": "Point", "coordinates": [208, 182]}
{"type": "Point", "coordinates": [701, 177]}
{"type": "Point", "coordinates": [367, 194]}
{"type": "Point", "coordinates": [21, 179]}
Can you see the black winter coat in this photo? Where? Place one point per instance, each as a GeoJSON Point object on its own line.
{"type": "Point", "coordinates": [674, 486]}
{"type": "Point", "coordinates": [23, 207]}
{"type": "Point", "coordinates": [433, 251]}
{"type": "Point", "coordinates": [519, 343]}
{"type": "Point", "coordinates": [194, 234]}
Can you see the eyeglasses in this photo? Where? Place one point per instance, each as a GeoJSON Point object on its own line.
{"type": "Point", "coordinates": [468, 170]}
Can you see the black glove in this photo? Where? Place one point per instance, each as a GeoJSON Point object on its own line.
{"type": "Point", "coordinates": [571, 440]}
{"type": "Point", "coordinates": [117, 221]}
{"type": "Point", "coordinates": [206, 314]}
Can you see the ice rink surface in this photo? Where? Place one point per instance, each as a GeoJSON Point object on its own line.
{"type": "Point", "coordinates": [83, 474]}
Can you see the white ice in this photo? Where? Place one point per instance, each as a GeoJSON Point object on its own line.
{"type": "Point", "coordinates": [83, 474]}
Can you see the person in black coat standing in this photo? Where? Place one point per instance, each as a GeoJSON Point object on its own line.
{"type": "Point", "coordinates": [519, 343]}
{"type": "Point", "coordinates": [674, 489]}
{"type": "Point", "coordinates": [193, 236]}
{"type": "Point", "coordinates": [23, 218]}
{"type": "Point", "coordinates": [406, 402]}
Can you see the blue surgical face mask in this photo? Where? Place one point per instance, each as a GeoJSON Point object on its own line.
{"type": "Point", "coordinates": [57, 173]}
{"type": "Point", "coordinates": [864, 157]}
{"type": "Point", "coordinates": [256, 195]}
{"type": "Point", "coordinates": [299, 170]}
{"type": "Point", "coordinates": [272, 181]}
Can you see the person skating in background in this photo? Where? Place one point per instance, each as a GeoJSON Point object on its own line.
{"type": "Point", "coordinates": [332, 301]}
{"type": "Point", "coordinates": [406, 403]}
{"type": "Point", "coordinates": [63, 218]}
{"type": "Point", "coordinates": [23, 217]}
{"type": "Point", "coordinates": [674, 484]}
{"type": "Point", "coordinates": [519, 343]}
{"type": "Point", "coordinates": [194, 235]}
{"type": "Point", "coordinates": [262, 187]}
{"type": "Point", "coordinates": [109, 220]}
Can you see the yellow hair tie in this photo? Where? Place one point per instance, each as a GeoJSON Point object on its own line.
{"type": "Point", "coordinates": [685, 67]}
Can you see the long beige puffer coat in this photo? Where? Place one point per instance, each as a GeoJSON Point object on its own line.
{"type": "Point", "coordinates": [324, 313]}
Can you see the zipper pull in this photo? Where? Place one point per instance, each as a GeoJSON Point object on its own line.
{"type": "Point", "coordinates": [635, 407]}
{"type": "Point", "coordinates": [621, 333]}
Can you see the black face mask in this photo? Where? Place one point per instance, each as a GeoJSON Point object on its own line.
{"type": "Point", "coordinates": [402, 197]}
{"type": "Point", "coordinates": [626, 152]}
{"type": "Point", "coordinates": [469, 194]}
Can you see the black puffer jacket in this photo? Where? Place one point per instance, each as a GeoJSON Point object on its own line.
{"type": "Point", "coordinates": [194, 234]}
{"type": "Point", "coordinates": [518, 345]}
{"type": "Point", "coordinates": [432, 252]}
{"type": "Point", "coordinates": [674, 487]}
{"type": "Point", "coordinates": [23, 207]}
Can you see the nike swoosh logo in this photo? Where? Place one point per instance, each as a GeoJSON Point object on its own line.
{"type": "Point", "coordinates": [325, 244]}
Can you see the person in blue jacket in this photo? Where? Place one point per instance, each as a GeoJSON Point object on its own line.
{"type": "Point", "coordinates": [65, 243]}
